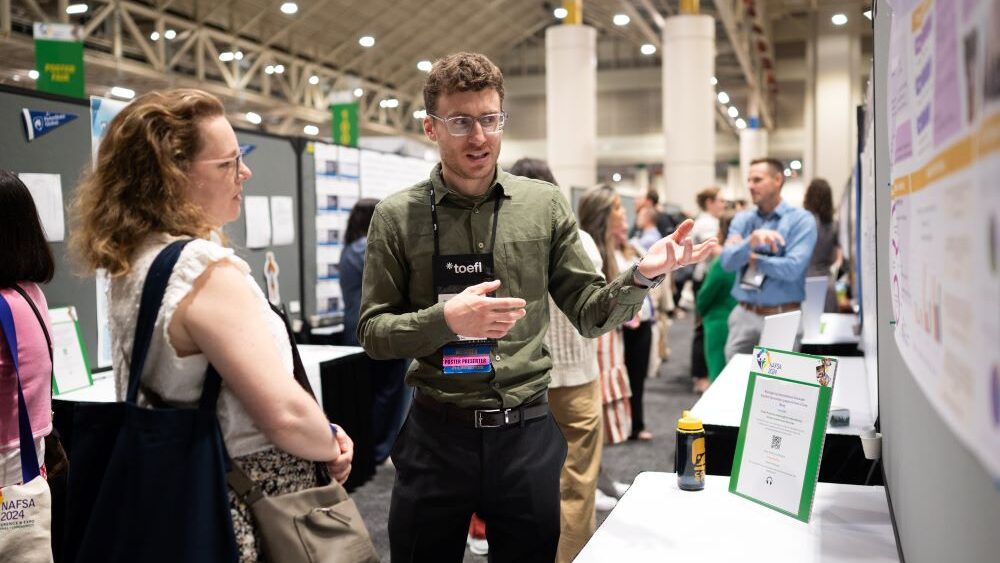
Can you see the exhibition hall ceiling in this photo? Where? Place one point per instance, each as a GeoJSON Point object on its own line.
{"type": "Point", "coordinates": [287, 61]}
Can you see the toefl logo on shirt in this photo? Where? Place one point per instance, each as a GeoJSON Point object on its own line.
{"type": "Point", "coordinates": [474, 268]}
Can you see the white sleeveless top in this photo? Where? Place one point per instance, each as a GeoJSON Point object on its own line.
{"type": "Point", "coordinates": [176, 380]}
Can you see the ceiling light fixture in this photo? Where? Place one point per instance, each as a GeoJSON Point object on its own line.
{"type": "Point", "coordinates": [226, 56]}
{"type": "Point", "coordinates": [269, 69]}
{"type": "Point", "coordinates": [358, 92]}
{"type": "Point", "coordinates": [616, 177]}
{"type": "Point", "coordinates": [310, 130]}
{"type": "Point", "coordinates": [254, 118]}
{"type": "Point", "coordinates": [560, 13]}
{"type": "Point", "coordinates": [420, 114]}
{"type": "Point", "coordinates": [723, 98]}
{"type": "Point", "coordinates": [647, 49]}
{"type": "Point", "coordinates": [839, 19]}
{"type": "Point", "coordinates": [314, 80]}
{"type": "Point", "coordinates": [621, 19]}
{"type": "Point", "coordinates": [366, 41]}
{"type": "Point", "coordinates": [425, 66]}
{"type": "Point", "coordinates": [714, 81]}
{"type": "Point", "coordinates": [733, 112]}
{"type": "Point", "coordinates": [238, 55]}
{"type": "Point", "coordinates": [169, 34]}
{"type": "Point", "coordinates": [868, 14]}
{"type": "Point", "coordinates": [741, 124]}
{"type": "Point", "coordinates": [289, 8]}
{"type": "Point", "coordinates": [795, 165]}
{"type": "Point", "coordinates": [120, 92]}
{"type": "Point", "coordinates": [74, 9]}
{"type": "Point", "coordinates": [155, 36]}
{"type": "Point", "coordinates": [33, 74]}
{"type": "Point", "coordinates": [279, 69]}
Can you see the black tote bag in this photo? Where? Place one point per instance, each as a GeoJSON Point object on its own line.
{"type": "Point", "coordinates": [148, 485]}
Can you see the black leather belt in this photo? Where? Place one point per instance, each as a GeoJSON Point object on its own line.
{"type": "Point", "coordinates": [484, 418]}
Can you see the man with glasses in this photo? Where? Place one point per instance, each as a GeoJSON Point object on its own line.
{"type": "Point", "coordinates": [457, 274]}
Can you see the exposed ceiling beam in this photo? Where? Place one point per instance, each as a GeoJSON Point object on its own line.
{"type": "Point", "coordinates": [640, 22]}
{"type": "Point", "coordinates": [725, 12]}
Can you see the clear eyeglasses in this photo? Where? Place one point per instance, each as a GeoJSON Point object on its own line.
{"type": "Point", "coordinates": [228, 162]}
{"type": "Point", "coordinates": [461, 125]}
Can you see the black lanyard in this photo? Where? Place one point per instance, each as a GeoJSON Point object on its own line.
{"type": "Point", "coordinates": [434, 220]}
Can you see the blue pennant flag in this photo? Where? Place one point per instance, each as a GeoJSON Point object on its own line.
{"type": "Point", "coordinates": [247, 149]}
{"type": "Point", "coordinates": [38, 123]}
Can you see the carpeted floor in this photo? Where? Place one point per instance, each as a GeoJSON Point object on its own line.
{"type": "Point", "coordinates": [666, 396]}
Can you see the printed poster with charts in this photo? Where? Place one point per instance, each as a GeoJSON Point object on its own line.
{"type": "Point", "coordinates": [783, 430]}
{"type": "Point", "coordinates": [337, 188]}
{"type": "Point", "coordinates": [944, 151]}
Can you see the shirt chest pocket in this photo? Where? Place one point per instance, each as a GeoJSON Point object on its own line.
{"type": "Point", "coordinates": [525, 268]}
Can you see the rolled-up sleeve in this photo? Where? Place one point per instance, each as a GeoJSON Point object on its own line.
{"type": "Point", "coordinates": [735, 256]}
{"type": "Point", "coordinates": [591, 305]}
{"type": "Point", "coordinates": [387, 329]}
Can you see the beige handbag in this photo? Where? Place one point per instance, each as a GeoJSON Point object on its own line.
{"type": "Point", "coordinates": [317, 525]}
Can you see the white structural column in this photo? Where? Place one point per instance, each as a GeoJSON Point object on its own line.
{"type": "Point", "coordinates": [571, 104]}
{"type": "Point", "coordinates": [831, 120]}
{"type": "Point", "coordinates": [688, 108]}
{"type": "Point", "coordinates": [753, 144]}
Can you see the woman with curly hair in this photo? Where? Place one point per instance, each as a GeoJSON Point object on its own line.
{"type": "Point", "coordinates": [170, 167]}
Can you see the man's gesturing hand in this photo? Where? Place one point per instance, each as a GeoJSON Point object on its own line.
{"type": "Point", "coordinates": [472, 313]}
{"type": "Point", "coordinates": [672, 252]}
{"type": "Point", "coordinates": [768, 238]}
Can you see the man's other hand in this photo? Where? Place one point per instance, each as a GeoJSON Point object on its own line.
{"type": "Point", "coordinates": [472, 313]}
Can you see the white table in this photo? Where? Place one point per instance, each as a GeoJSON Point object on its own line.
{"type": "Point", "coordinates": [722, 404]}
{"type": "Point", "coordinates": [656, 522]}
{"type": "Point", "coordinates": [103, 390]}
{"type": "Point", "coordinates": [834, 328]}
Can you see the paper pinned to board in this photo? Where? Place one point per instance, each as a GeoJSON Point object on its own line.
{"type": "Point", "coordinates": [282, 221]}
{"type": "Point", "coordinates": [46, 190]}
{"type": "Point", "coordinates": [258, 219]}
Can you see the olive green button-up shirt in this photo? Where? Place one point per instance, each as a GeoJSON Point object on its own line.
{"type": "Point", "coordinates": [538, 251]}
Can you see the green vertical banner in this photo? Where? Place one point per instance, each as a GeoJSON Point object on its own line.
{"type": "Point", "coordinates": [59, 59]}
{"type": "Point", "coordinates": [345, 124]}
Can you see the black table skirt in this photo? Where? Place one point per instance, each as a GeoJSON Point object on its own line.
{"type": "Point", "coordinates": [843, 460]}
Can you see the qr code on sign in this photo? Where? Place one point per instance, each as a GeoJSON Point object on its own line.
{"type": "Point", "coordinates": [775, 442]}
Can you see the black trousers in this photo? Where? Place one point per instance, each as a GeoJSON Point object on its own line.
{"type": "Point", "coordinates": [445, 472]}
{"type": "Point", "coordinates": [637, 343]}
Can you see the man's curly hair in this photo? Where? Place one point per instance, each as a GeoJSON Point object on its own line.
{"type": "Point", "coordinates": [461, 72]}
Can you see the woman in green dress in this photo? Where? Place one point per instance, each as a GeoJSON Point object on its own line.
{"type": "Point", "coordinates": [714, 303]}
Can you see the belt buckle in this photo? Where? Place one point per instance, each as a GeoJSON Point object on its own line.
{"type": "Point", "coordinates": [478, 420]}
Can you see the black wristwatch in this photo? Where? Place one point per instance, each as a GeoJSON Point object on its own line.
{"type": "Point", "coordinates": [643, 280]}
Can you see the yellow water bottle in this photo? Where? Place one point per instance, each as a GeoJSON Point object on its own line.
{"type": "Point", "coordinates": [689, 461]}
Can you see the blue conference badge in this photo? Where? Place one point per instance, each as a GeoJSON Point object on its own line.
{"type": "Point", "coordinates": [38, 123]}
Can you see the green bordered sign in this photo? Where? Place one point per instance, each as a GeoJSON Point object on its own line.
{"type": "Point", "coordinates": [783, 430]}
{"type": "Point", "coordinates": [59, 59]}
{"type": "Point", "coordinates": [70, 368]}
{"type": "Point", "coordinates": [345, 124]}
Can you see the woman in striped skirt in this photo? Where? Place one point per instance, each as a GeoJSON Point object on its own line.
{"type": "Point", "coordinates": [602, 216]}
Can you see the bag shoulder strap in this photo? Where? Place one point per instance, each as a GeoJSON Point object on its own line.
{"type": "Point", "coordinates": [29, 456]}
{"type": "Point", "coordinates": [153, 290]}
{"type": "Point", "coordinates": [38, 315]}
{"type": "Point", "coordinates": [298, 368]}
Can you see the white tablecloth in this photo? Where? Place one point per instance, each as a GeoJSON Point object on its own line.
{"type": "Point", "coordinates": [657, 522]}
